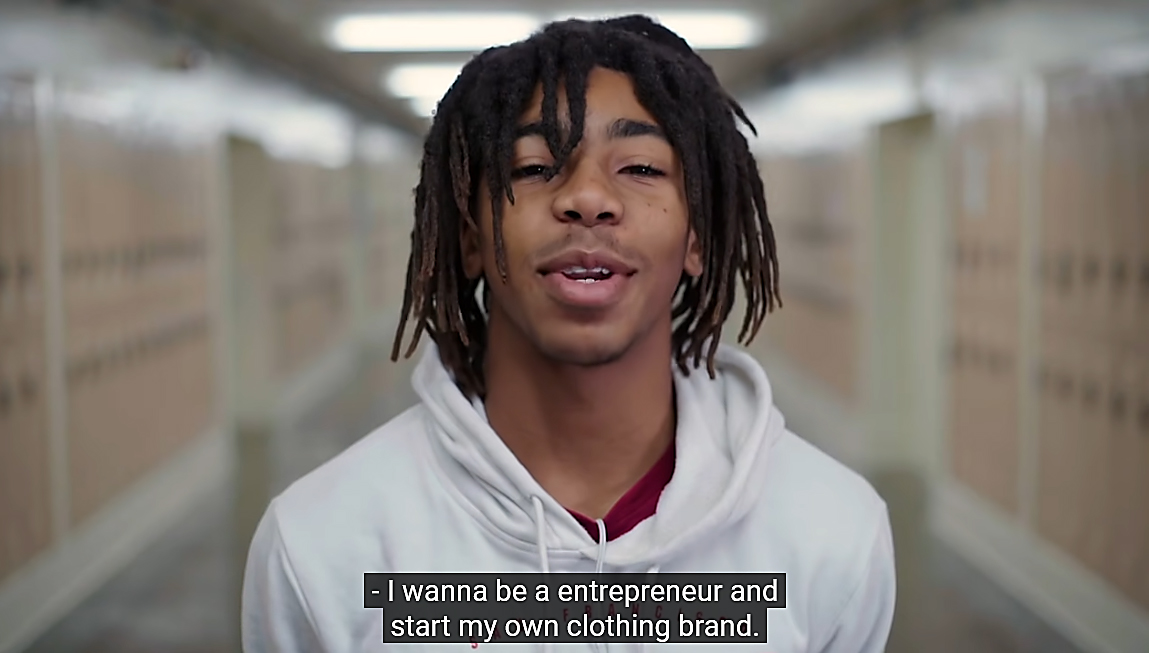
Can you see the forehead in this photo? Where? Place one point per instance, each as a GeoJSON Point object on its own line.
{"type": "Point", "coordinates": [609, 96]}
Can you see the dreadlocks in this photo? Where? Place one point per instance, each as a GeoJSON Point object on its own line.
{"type": "Point", "coordinates": [472, 140]}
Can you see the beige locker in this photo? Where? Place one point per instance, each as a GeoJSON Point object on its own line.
{"type": "Point", "coordinates": [956, 427]}
{"type": "Point", "coordinates": [1127, 526]}
{"type": "Point", "coordinates": [1141, 218]}
{"type": "Point", "coordinates": [1053, 460]}
{"type": "Point", "coordinates": [1002, 454]}
{"type": "Point", "coordinates": [967, 413]}
{"type": "Point", "coordinates": [10, 478]}
{"type": "Point", "coordinates": [1061, 450]}
{"type": "Point", "coordinates": [1079, 448]}
{"type": "Point", "coordinates": [1108, 179]}
{"type": "Point", "coordinates": [1067, 231]}
{"type": "Point", "coordinates": [9, 212]}
{"type": "Point", "coordinates": [1124, 222]}
{"type": "Point", "coordinates": [1058, 238]}
{"type": "Point", "coordinates": [1139, 585]}
{"type": "Point", "coordinates": [30, 400]}
{"type": "Point", "coordinates": [1096, 442]}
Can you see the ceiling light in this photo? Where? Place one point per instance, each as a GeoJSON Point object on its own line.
{"type": "Point", "coordinates": [703, 30]}
{"type": "Point", "coordinates": [424, 106]}
{"type": "Point", "coordinates": [422, 80]}
{"type": "Point", "coordinates": [429, 32]}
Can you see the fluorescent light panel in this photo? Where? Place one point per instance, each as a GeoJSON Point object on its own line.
{"type": "Point", "coordinates": [429, 32]}
{"type": "Point", "coordinates": [422, 80]}
{"type": "Point", "coordinates": [469, 32]}
{"type": "Point", "coordinates": [424, 106]}
{"type": "Point", "coordinates": [703, 30]}
{"type": "Point", "coordinates": [713, 31]}
{"type": "Point", "coordinates": [423, 85]}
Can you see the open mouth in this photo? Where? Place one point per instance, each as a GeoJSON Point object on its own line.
{"type": "Point", "coordinates": [586, 275]}
{"type": "Point", "coordinates": [587, 279]}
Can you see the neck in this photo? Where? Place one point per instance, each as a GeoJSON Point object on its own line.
{"type": "Point", "coordinates": [585, 433]}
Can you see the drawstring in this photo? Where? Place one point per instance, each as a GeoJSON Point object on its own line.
{"type": "Point", "coordinates": [599, 562]}
{"type": "Point", "coordinates": [541, 534]}
{"type": "Point", "coordinates": [544, 562]}
{"type": "Point", "coordinates": [652, 571]}
{"type": "Point", "coordinates": [601, 546]}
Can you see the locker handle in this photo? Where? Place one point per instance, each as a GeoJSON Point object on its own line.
{"type": "Point", "coordinates": [1090, 394]}
{"type": "Point", "coordinates": [1092, 271]}
{"type": "Point", "coordinates": [72, 262]}
{"type": "Point", "coordinates": [3, 274]}
{"type": "Point", "coordinates": [134, 260]}
{"type": "Point", "coordinates": [1143, 418]}
{"type": "Point", "coordinates": [1145, 277]}
{"type": "Point", "coordinates": [5, 398]}
{"type": "Point", "coordinates": [998, 362]}
{"type": "Point", "coordinates": [29, 387]}
{"type": "Point", "coordinates": [24, 271]}
{"type": "Point", "coordinates": [1120, 274]}
{"type": "Point", "coordinates": [1064, 272]}
{"type": "Point", "coordinates": [1065, 385]}
{"type": "Point", "coordinates": [1117, 406]}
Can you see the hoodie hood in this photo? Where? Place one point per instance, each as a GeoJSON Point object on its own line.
{"type": "Point", "coordinates": [726, 428]}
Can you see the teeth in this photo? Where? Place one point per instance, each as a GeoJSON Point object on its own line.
{"type": "Point", "coordinates": [578, 269]}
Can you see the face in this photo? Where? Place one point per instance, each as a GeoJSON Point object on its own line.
{"type": "Point", "coordinates": [594, 254]}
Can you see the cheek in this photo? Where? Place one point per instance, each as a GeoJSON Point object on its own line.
{"type": "Point", "coordinates": [519, 236]}
{"type": "Point", "coordinates": [667, 233]}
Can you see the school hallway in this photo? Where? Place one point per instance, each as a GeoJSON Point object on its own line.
{"type": "Point", "coordinates": [207, 212]}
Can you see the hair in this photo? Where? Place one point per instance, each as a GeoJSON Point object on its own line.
{"type": "Point", "coordinates": [471, 140]}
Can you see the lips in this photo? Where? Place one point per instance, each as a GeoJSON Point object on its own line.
{"type": "Point", "coordinates": [586, 279]}
{"type": "Point", "coordinates": [592, 265]}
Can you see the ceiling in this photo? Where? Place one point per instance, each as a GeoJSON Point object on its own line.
{"type": "Point", "coordinates": [291, 34]}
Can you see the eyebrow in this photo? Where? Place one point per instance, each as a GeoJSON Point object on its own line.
{"type": "Point", "coordinates": [621, 128]}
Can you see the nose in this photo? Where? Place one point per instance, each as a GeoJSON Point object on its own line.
{"type": "Point", "coordinates": [587, 196]}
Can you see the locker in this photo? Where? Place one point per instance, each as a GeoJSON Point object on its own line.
{"type": "Point", "coordinates": [1059, 241]}
{"type": "Point", "coordinates": [1076, 258]}
{"type": "Point", "coordinates": [1141, 217]}
{"type": "Point", "coordinates": [1101, 205]}
{"type": "Point", "coordinates": [968, 404]}
{"type": "Point", "coordinates": [1080, 445]}
{"type": "Point", "coordinates": [1140, 517]}
{"type": "Point", "coordinates": [1120, 269]}
{"type": "Point", "coordinates": [1001, 386]}
{"type": "Point", "coordinates": [1126, 533]}
{"type": "Point", "coordinates": [1051, 455]}
{"type": "Point", "coordinates": [1095, 442]}
{"type": "Point", "coordinates": [9, 212]}
{"type": "Point", "coordinates": [1060, 452]}
{"type": "Point", "coordinates": [33, 499]}
{"type": "Point", "coordinates": [958, 402]}
{"type": "Point", "coordinates": [9, 519]}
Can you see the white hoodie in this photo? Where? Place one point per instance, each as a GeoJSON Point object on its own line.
{"type": "Point", "coordinates": [436, 490]}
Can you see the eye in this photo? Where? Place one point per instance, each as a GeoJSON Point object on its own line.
{"type": "Point", "coordinates": [643, 171]}
{"type": "Point", "coordinates": [533, 170]}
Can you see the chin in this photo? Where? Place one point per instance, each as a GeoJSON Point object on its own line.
{"type": "Point", "coordinates": [586, 350]}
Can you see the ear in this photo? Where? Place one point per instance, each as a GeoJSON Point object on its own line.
{"type": "Point", "coordinates": [471, 248]}
{"type": "Point", "coordinates": [692, 264]}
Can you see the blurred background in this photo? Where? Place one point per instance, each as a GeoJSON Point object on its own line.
{"type": "Point", "coordinates": [205, 209]}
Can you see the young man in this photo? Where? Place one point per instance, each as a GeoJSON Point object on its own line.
{"type": "Point", "coordinates": [587, 205]}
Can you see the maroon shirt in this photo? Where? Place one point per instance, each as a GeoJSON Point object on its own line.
{"type": "Point", "coordinates": [637, 504]}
